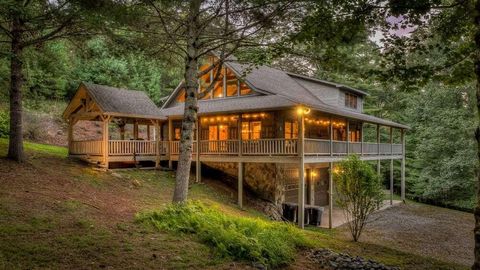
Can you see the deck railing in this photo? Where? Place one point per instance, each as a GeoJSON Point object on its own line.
{"type": "Point", "coordinates": [261, 147]}
{"type": "Point", "coordinates": [90, 147]}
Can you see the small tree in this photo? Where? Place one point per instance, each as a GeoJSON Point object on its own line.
{"type": "Point", "coordinates": [359, 192]}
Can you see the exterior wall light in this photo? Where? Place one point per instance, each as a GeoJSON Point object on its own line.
{"type": "Point", "coordinates": [303, 110]}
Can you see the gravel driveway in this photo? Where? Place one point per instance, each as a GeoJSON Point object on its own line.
{"type": "Point", "coordinates": [422, 229]}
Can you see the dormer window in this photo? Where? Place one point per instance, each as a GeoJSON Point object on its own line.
{"type": "Point", "coordinates": [351, 100]}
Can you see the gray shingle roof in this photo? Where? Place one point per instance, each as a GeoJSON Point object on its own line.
{"type": "Point", "coordinates": [121, 101]}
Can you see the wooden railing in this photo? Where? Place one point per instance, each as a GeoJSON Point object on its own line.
{"type": "Point", "coordinates": [93, 148]}
{"type": "Point", "coordinates": [134, 147]}
{"type": "Point", "coordinates": [265, 147]}
{"type": "Point", "coordinates": [270, 147]}
{"type": "Point", "coordinates": [227, 147]}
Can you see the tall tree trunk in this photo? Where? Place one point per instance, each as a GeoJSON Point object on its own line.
{"type": "Point", "coordinates": [476, 264]}
{"type": "Point", "coordinates": [191, 106]}
{"type": "Point", "coordinates": [15, 147]}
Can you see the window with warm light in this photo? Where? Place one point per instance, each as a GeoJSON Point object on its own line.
{"type": "Point", "coordinates": [251, 130]}
{"type": "Point", "coordinates": [177, 132]}
{"type": "Point", "coordinates": [291, 129]}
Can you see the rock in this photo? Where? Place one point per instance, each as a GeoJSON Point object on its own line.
{"type": "Point", "coordinates": [328, 259]}
{"type": "Point", "coordinates": [136, 183]}
{"type": "Point", "coordinates": [117, 175]}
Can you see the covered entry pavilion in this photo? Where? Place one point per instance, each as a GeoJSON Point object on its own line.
{"type": "Point", "coordinates": [115, 108]}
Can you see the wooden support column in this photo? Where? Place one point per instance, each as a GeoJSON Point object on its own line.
{"type": "Point", "coordinates": [239, 131]}
{"type": "Point", "coordinates": [148, 132]}
{"type": "Point", "coordinates": [348, 137]}
{"type": "Point", "coordinates": [198, 165]}
{"type": "Point", "coordinates": [361, 139]}
{"type": "Point", "coordinates": [135, 130]}
{"type": "Point", "coordinates": [330, 196]}
{"type": "Point", "coordinates": [170, 139]}
{"type": "Point", "coordinates": [71, 123]}
{"type": "Point", "coordinates": [157, 144]}
{"type": "Point", "coordinates": [310, 187]}
{"type": "Point", "coordinates": [391, 166]}
{"type": "Point", "coordinates": [331, 136]}
{"type": "Point", "coordinates": [378, 150]}
{"type": "Point", "coordinates": [105, 139]}
{"type": "Point", "coordinates": [240, 184]}
{"type": "Point", "coordinates": [301, 182]}
{"type": "Point", "coordinates": [402, 185]}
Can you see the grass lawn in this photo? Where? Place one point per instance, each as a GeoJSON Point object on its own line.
{"type": "Point", "coordinates": [59, 213]}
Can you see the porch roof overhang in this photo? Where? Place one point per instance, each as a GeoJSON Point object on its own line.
{"type": "Point", "coordinates": [269, 103]}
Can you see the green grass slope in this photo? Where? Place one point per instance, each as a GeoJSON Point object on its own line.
{"type": "Point", "coordinates": [59, 213]}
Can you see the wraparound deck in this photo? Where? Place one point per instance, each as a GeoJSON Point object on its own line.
{"type": "Point", "coordinates": [230, 150]}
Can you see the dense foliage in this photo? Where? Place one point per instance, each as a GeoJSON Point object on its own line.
{"type": "Point", "coordinates": [271, 244]}
{"type": "Point", "coordinates": [357, 191]}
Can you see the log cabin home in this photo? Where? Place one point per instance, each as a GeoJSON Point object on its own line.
{"type": "Point", "coordinates": [278, 133]}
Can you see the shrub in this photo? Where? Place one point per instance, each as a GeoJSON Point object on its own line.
{"type": "Point", "coordinates": [4, 124]}
{"type": "Point", "coordinates": [269, 243]}
{"type": "Point", "coordinates": [359, 192]}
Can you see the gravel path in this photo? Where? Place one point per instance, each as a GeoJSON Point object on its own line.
{"type": "Point", "coordinates": [426, 230]}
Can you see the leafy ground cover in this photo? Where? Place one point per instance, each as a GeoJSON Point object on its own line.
{"type": "Point", "coordinates": [59, 213]}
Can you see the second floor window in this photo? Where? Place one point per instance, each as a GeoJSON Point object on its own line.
{"type": "Point", "coordinates": [351, 100]}
{"type": "Point", "coordinates": [291, 129]}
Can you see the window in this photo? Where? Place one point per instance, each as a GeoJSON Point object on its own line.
{"type": "Point", "coordinates": [244, 89]}
{"type": "Point", "coordinates": [251, 130]}
{"type": "Point", "coordinates": [291, 129]}
{"type": "Point", "coordinates": [350, 100]}
{"type": "Point", "coordinates": [177, 133]}
{"type": "Point", "coordinates": [181, 96]}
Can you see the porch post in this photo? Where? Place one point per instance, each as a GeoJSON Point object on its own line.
{"type": "Point", "coordinates": [310, 187]}
{"type": "Point", "coordinates": [148, 132]}
{"type": "Point", "coordinates": [348, 137]}
{"type": "Point", "coordinates": [331, 136]}
{"type": "Point", "coordinates": [240, 184]}
{"type": "Point", "coordinates": [330, 195]}
{"type": "Point", "coordinates": [105, 122]}
{"type": "Point", "coordinates": [378, 150]}
{"type": "Point", "coordinates": [70, 134]}
{"type": "Point", "coordinates": [170, 137]}
{"type": "Point", "coordinates": [198, 165]}
{"type": "Point", "coordinates": [391, 166]}
{"type": "Point", "coordinates": [157, 144]}
{"type": "Point", "coordinates": [239, 131]}
{"type": "Point", "coordinates": [402, 188]}
{"type": "Point", "coordinates": [301, 182]}
{"type": "Point", "coordinates": [135, 130]}
{"type": "Point", "coordinates": [361, 139]}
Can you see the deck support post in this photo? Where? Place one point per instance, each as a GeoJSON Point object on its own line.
{"type": "Point", "coordinates": [301, 182]}
{"type": "Point", "coordinates": [148, 132]}
{"type": "Point", "coordinates": [198, 165]}
{"type": "Point", "coordinates": [330, 195]}
{"type": "Point", "coordinates": [170, 138]}
{"type": "Point", "coordinates": [310, 187]}
{"type": "Point", "coordinates": [240, 184]}
{"type": "Point", "coordinates": [402, 185]}
{"type": "Point", "coordinates": [391, 166]}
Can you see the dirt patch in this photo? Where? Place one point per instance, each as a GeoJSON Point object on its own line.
{"type": "Point", "coordinates": [421, 229]}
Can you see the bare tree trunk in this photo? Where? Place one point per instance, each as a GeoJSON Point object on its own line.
{"type": "Point", "coordinates": [15, 147]}
{"type": "Point", "coordinates": [191, 106]}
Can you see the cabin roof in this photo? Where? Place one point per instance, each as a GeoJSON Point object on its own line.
{"type": "Point", "coordinates": [123, 102]}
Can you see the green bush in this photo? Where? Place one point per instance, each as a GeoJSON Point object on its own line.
{"type": "Point", "coordinates": [4, 124]}
{"type": "Point", "coordinates": [269, 243]}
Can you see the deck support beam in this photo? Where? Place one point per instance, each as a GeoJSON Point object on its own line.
{"type": "Point", "coordinates": [330, 195]}
{"type": "Point", "coordinates": [301, 182]}
{"type": "Point", "coordinates": [240, 184]}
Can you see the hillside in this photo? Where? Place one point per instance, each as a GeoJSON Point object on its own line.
{"type": "Point", "coordinates": [58, 213]}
